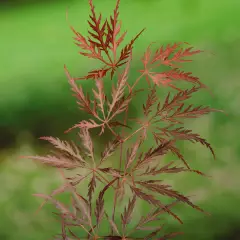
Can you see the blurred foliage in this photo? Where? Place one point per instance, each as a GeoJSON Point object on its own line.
{"type": "Point", "coordinates": [35, 101]}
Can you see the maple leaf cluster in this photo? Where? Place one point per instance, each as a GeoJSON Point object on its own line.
{"type": "Point", "coordinates": [139, 176]}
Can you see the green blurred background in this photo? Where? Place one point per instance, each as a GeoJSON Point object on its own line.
{"type": "Point", "coordinates": [35, 43]}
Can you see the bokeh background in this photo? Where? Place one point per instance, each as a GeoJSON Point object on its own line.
{"type": "Point", "coordinates": [35, 43]}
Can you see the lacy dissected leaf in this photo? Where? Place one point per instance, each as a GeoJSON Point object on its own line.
{"type": "Point", "coordinates": [83, 205]}
{"type": "Point", "coordinates": [117, 123]}
{"type": "Point", "coordinates": [118, 92]}
{"type": "Point", "coordinates": [83, 101]}
{"type": "Point", "coordinates": [162, 54]}
{"type": "Point", "coordinates": [185, 134]}
{"type": "Point", "coordinates": [166, 56]}
{"type": "Point", "coordinates": [153, 201]}
{"type": "Point", "coordinates": [54, 161]}
{"type": "Point", "coordinates": [76, 180]}
{"type": "Point", "coordinates": [166, 78]}
{"type": "Point", "coordinates": [177, 74]}
{"type": "Point", "coordinates": [127, 215]}
{"type": "Point", "coordinates": [177, 100]}
{"type": "Point", "coordinates": [167, 191]}
{"type": "Point", "coordinates": [126, 51]}
{"type": "Point", "coordinates": [111, 171]}
{"type": "Point", "coordinates": [164, 112]}
{"type": "Point", "coordinates": [110, 148]}
{"type": "Point", "coordinates": [99, 95]}
{"type": "Point", "coordinates": [64, 235]}
{"type": "Point", "coordinates": [91, 187]}
{"type": "Point", "coordinates": [161, 150]}
{"type": "Point", "coordinates": [87, 141]}
{"type": "Point", "coordinates": [98, 30]}
{"type": "Point", "coordinates": [191, 112]}
{"type": "Point", "coordinates": [146, 58]}
{"type": "Point", "coordinates": [142, 169]}
{"type": "Point", "coordinates": [158, 138]}
{"type": "Point", "coordinates": [85, 45]}
{"type": "Point", "coordinates": [85, 124]}
{"type": "Point", "coordinates": [99, 210]}
{"type": "Point", "coordinates": [153, 215]}
{"type": "Point", "coordinates": [151, 100]}
{"type": "Point", "coordinates": [182, 53]}
{"type": "Point", "coordinates": [103, 37]}
{"type": "Point", "coordinates": [175, 110]}
{"type": "Point", "coordinates": [161, 78]}
{"type": "Point", "coordinates": [58, 204]}
{"type": "Point", "coordinates": [62, 208]}
{"type": "Point", "coordinates": [177, 152]}
{"type": "Point", "coordinates": [64, 146]}
{"type": "Point", "coordinates": [155, 170]}
{"type": "Point", "coordinates": [114, 28]}
{"type": "Point", "coordinates": [121, 105]}
{"type": "Point", "coordinates": [132, 153]}
{"type": "Point", "coordinates": [57, 191]}
{"type": "Point", "coordinates": [94, 74]}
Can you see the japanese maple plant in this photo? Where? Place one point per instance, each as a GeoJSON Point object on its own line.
{"type": "Point", "coordinates": [138, 176]}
